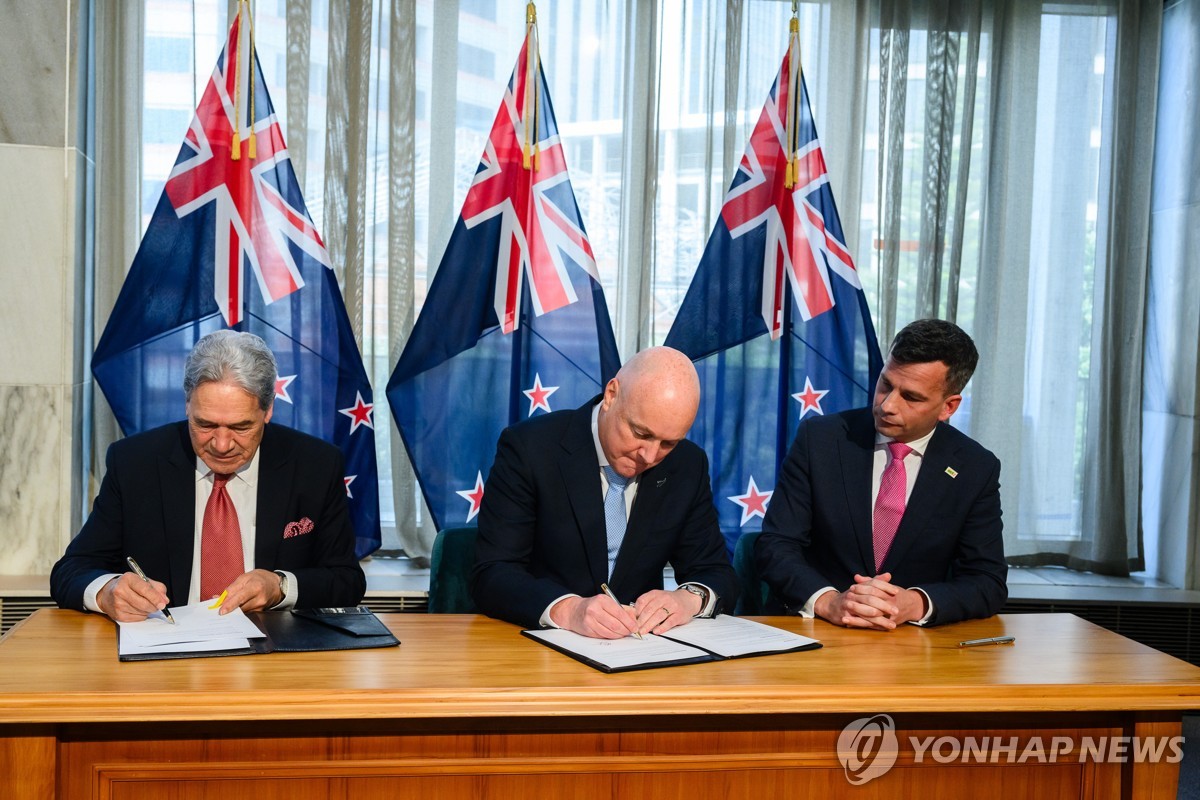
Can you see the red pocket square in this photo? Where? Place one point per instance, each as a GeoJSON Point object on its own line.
{"type": "Point", "coordinates": [299, 528]}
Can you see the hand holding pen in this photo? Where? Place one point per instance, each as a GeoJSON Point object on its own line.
{"type": "Point", "coordinates": [159, 605]}
{"type": "Point", "coordinates": [604, 588]}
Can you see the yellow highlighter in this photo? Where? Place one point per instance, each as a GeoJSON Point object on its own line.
{"type": "Point", "coordinates": [217, 602]}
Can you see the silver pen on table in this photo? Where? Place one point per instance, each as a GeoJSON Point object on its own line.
{"type": "Point", "coordinates": [990, 640]}
{"type": "Point", "coordinates": [133, 565]}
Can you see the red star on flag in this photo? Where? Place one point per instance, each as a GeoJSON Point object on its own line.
{"type": "Point", "coordinates": [282, 382]}
{"type": "Point", "coordinates": [473, 496]}
{"type": "Point", "coordinates": [349, 479]}
{"type": "Point", "coordinates": [359, 413]}
{"type": "Point", "coordinates": [753, 502]}
{"type": "Point", "coordinates": [810, 398]}
{"type": "Point", "coordinates": [539, 396]}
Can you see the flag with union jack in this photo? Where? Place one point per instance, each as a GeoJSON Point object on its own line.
{"type": "Point", "coordinates": [515, 322]}
{"type": "Point", "coordinates": [766, 361]}
{"type": "Point", "coordinates": [231, 245]}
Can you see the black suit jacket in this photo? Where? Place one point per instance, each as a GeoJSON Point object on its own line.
{"type": "Point", "coordinates": [146, 509]}
{"type": "Point", "coordinates": [817, 530]}
{"type": "Point", "coordinates": [542, 532]}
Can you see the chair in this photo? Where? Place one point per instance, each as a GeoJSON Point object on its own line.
{"type": "Point", "coordinates": [450, 572]}
{"type": "Point", "coordinates": [753, 599]}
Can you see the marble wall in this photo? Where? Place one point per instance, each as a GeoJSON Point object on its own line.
{"type": "Point", "coordinates": [45, 171]}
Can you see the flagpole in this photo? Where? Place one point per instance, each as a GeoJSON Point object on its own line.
{"type": "Point", "coordinates": [785, 339]}
{"type": "Point", "coordinates": [531, 161]}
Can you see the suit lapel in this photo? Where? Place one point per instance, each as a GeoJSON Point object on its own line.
{"type": "Point", "coordinates": [177, 483]}
{"type": "Point", "coordinates": [275, 470]}
{"type": "Point", "coordinates": [856, 453]}
{"type": "Point", "coordinates": [932, 484]}
{"type": "Point", "coordinates": [652, 487]}
{"type": "Point", "coordinates": [581, 479]}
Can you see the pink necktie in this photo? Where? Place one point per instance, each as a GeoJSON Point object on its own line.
{"type": "Point", "coordinates": [889, 505]}
{"type": "Point", "coordinates": [221, 559]}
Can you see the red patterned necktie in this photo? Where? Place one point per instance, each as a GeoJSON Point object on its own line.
{"type": "Point", "coordinates": [221, 559]}
{"type": "Point", "coordinates": [889, 505]}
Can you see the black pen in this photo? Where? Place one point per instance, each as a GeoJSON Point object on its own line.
{"type": "Point", "coordinates": [992, 640]}
{"type": "Point", "coordinates": [133, 565]}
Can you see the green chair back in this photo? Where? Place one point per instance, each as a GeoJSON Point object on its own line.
{"type": "Point", "coordinates": [450, 572]}
{"type": "Point", "coordinates": [754, 592]}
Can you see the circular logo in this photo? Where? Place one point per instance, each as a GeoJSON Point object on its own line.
{"type": "Point", "coordinates": [867, 748]}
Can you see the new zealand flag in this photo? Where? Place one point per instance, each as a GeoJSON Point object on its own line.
{"type": "Point", "coordinates": [231, 244]}
{"type": "Point", "coordinates": [515, 321]}
{"type": "Point", "coordinates": [766, 362]}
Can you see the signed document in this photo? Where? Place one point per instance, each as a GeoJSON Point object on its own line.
{"type": "Point", "coordinates": [198, 629]}
{"type": "Point", "coordinates": [697, 642]}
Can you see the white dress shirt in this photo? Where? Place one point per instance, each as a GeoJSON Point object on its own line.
{"type": "Point", "coordinates": [912, 465]}
{"type": "Point", "coordinates": [243, 492]}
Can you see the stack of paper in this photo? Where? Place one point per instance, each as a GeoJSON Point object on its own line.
{"type": "Point", "coordinates": [197, 629]}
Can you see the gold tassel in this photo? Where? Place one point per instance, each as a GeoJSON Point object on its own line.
{"type": "Point", "coordinates": [250, 60]}
{"type": "Point", "coordinates": [532, 152]}
{"type": "Point", "coordinates": [235, 144]}
{"type": "Point", "coordinates": [792, 172]}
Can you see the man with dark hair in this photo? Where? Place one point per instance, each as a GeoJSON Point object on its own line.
{"type": "Point", "coordinates": [887, 515]}
{"type": "Point", "coordinates": [220, 503]}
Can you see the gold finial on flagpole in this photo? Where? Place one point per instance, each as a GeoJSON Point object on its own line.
{"type": "Point", "coordinates": [235, 144]}
{"type": "Point", "coordinates": [792, 171]}
{"type": "Point", "coordinates": [253, 70]}
{"type": "Point", "coordinates": [533, 62]}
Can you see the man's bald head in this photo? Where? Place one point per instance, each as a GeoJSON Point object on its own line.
{"type": "Point", "coordinates": [648, 409]}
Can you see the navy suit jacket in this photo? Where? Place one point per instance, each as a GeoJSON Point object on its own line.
{"type": "Point", "coordinates": [542, 531]}
{"type": "Point", "coordinates": [146, 508]}
{"type": "Point", "coordinates": [817, 530]}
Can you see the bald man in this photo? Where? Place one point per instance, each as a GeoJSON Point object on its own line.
{"type": "Point", "coordinates": [606, 494]}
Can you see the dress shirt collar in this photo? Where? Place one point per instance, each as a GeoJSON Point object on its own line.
{"type": "Point", "coordinates": [600, 456]}
{"type": "Point", "coordinates": [918, 445]}
{"type": "Point", "coordinates": [247, 473]}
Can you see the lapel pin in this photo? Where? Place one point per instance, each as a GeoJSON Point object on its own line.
{"type": "Point", "coordinates": [951, 472]}
{"type": "Point", "coordinates": [660, 483]}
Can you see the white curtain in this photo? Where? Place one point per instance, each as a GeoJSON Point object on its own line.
{"type": "Point", "coordinates": [987, 157]}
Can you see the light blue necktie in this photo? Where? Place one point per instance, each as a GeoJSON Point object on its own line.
{"type": "Point", "coordinates": [614, 513]}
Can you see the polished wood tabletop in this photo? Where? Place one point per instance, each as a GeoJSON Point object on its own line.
{"type": "Point", "coordinates": [61, 666]}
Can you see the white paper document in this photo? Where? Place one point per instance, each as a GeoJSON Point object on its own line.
{"type": "Point", "coordinates": [197, 629]}
{"type": "Point", "coordinates": [734, 636]}
{"type": "Point", "coordinates": [617, 654]}
{"type": "Point", "coordinates": [699, 640]}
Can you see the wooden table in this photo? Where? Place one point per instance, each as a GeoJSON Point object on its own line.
{"type": "Point", "coordinates": [466, 707]}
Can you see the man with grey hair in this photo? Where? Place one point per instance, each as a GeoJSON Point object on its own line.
{"type": "Point", "coordinates": [220, 504]}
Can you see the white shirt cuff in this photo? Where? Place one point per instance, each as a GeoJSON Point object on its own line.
{"type": "Point", "coordinates": [545, 620]}
{"type": "Point", "coordinates": [808, 609]}
{"type": "Point", "coordinates": [93, 589]}
{"type": "Point", "coordinates": [289, 597]}
{"type": "Point", "coordinates": [928, 603]}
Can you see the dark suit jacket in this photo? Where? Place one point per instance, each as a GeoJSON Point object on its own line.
{"type": "Point", "coordinates": [146, 509]}
{"type": "Point", "coordinates": [542, 533]}
{"type": "Point", "coordinates": [817, 530]}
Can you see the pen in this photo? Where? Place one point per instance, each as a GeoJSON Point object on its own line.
{"type": "Point", "coordinates": [133, 565]}
{"type": "Point", "coordinates": [604, 588]}
{"type": "Point", "coordinates": [992, 640]}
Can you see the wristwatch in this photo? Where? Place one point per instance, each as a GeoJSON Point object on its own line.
{"type": "Point", "coordinates": [283, 584]}
{"type": "Point", "coordinates": [700, 592]}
